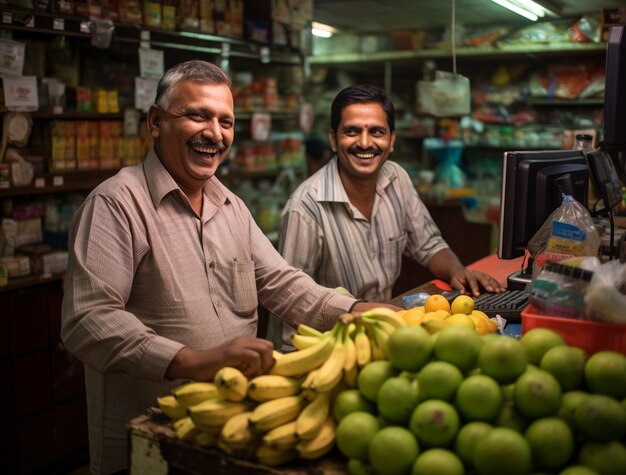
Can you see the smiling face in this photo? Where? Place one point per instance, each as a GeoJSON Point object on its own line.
{"type": "Point", "coordinates": [363, 140]}
{"type": "Point", "coordinates": [193, 135]}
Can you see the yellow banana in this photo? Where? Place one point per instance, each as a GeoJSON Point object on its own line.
{"type": "Point", "coordinates": [236, 431]}
{"type": "Point", "coordinates": [321, 444]}
{"type": "Point", "coordinates": [303, 361]}
{"type": "Point", "coordinates": [190, 394]}
{"type": "Point", "coordinates": [185, 428]}
{"type": "Point", "coordinates": [312, 417]}
{"type": "Point", "coordinates": [329, 374]}
{"type": "Point", "coordinates": [231, 383]}
{"type": "Point", "coordinates": [273, 457]}
{"type": "Point", "coordinates": [362, 346]}
{"type": "Point", "coordinates": [272, 386]}
{"type": "Point", "coordinates": [206, 439]}
{"type": "Point", "coordinates": [282, 437]}
{"type": "Point", "coordinates": [276, 354]}
{"type": "Point", "coordinates": [385, 314]}
{"type": "Point", "coordinates": [171, 407]}
{"type": "Point", "coordinates": [306, 330]}
{"type": "Point", "coordinates": [350, 354]}
{"type": "Point", "coordinates": [215, 412]}
{"type": "Point", "coordinates": [302, 342]}
{"type": "Point", "coordinates": [270, 414]}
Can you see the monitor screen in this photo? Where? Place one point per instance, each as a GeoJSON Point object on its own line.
{"type": "Point", "coordinates": [532, 183]}
{"type": "Point", "coordinates": [615, 99]}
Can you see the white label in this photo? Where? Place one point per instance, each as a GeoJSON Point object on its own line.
{"type": "Point", "coordinates": [20, 93]}
{"type": "Point", "coordinates": [58, 24]}
{"type": "Point", "coordinates": [40, 182]}
{"type": "Point", "coordinates": [57, 180]}
{"type": "Point", "coordinates": [151, 63]}
{"type": "Point", "coordinates": [11, 57]}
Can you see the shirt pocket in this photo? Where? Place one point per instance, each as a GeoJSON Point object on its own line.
{"type": "Point", "coordinates": [243, 290]}
{"type": "Point", "coordinates": [392, 257]}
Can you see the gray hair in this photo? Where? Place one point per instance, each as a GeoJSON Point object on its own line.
{"type": "Point", "coordinates": [194, 70]}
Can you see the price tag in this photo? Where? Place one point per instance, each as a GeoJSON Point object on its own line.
{"type": "Point", "coordinates": [31, 22]}
{"type": "Point", "coordinates": [260, 126]}
{"type": "Point", "coordinates": [40, 182]}
{"type": "Point", "coordinates": [85, 27]}
{"type": "Point", "coordinates": [57, 180]}
{"type": "Point", "coordinates": [265, 54]}
{"type": "Point", "coordinates": [58, 24]}
{"type": "Point", "coordinates": [7, 18]}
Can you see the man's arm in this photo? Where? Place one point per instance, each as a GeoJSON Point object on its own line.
{"type": "Point", "coordinates": [446, 265]}
{"type": "Point", "coordinates": [253, 356]}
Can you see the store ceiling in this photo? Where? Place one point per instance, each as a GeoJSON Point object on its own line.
{"type": "Point", "coordinates": [378, 16]}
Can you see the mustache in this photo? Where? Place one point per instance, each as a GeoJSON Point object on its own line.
{"type": "Point", "coordinates": [221, 145]}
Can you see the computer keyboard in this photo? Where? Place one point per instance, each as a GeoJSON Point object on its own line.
{"type": "Point", "coordinates": [508, 304]}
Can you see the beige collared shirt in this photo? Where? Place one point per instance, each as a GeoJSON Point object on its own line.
{"type": "Point", "coordinates": [147, 276]}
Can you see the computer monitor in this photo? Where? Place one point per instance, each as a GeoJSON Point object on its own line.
{"type": "Point", "coordinates": [532, 187]}
{"type": "Point", "coordinates": [614, 140]}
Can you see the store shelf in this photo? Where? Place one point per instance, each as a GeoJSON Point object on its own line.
{"type": "Point", "coordinates": [60, 182]}
{"type": "Point", "coordinates": [57, 24]}
{"type": "Point", "coordinates": [16, 283]}
{"type": "Point", "coordinates": [547, 102]}
{"type": "Point", "coordinates": [488, 52]}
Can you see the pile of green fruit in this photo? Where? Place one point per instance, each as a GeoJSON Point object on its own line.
{"type": "Point", "coordinates": [458, 403]}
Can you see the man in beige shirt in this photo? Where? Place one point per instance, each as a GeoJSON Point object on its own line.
{"type": "Point", "coordinates": [167, 268]}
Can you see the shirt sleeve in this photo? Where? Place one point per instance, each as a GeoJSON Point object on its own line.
{"type": "Point", "coordinates": [290, 293]}
{"type": "Point", "coordinates": [299, 242]}
{"type": "Point", "coordinates": [96, 327]}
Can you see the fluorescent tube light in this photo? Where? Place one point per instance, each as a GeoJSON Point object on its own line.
{"type": "Point", "coordinates": [517, 9]}
{"type": "Point", "coordinates": [321, 30]}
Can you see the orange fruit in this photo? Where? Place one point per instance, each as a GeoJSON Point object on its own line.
{"type": "Point", "coordinates": [538, 341]}
{"type": "Point", "coordinates": [603, 457]}
{"type": "Point", "coordinates": [479, 398]}
{"type": "Point", "coordinates": [458, 345]}
{"type": "Point", "coordinates": [466, 440]}
{"type": "Point", "coordinates": [537, 394]}
{"type": "Point", "coordinates": [396, 399]}
{"type": "Point", "coordinates": [461, 319]}
{"type": "Point", "coordinates": [503, 358]}
{"type": "Point", "coordinates": [373, 375]}
{"type": "Point", "coordinates": [413, 316]}
{"type": "Point", "coordinates": [502, 450]}
{"type": "Point", "coordinates": [439, 461]}
{"type": "Point", "coordinates": [600, 418]}
{"type": "Point", "coordinates": [436, 302]}
{"type": "Point", "coordinates": [393, 450]}
{"type": "Point", "coordinates": [551, 442]}
{"type": "Point", "coordinates": [566, 364]}
{"type": "Point", "coordinates": [462, 304]}
{"type": "Point", "coordinates": [605, 373]}
{"type": "Point", "coordinates": [435, 423]}
{"type": "Point", "coordinates": [351, 400]}
{"type": "Point", "coordinates": [439, 380]}
{"type": "Point", "coordinates": [409, 348]}
{"type": "Point", "coordinates": [354, 433]}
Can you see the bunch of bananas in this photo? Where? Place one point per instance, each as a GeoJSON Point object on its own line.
{"type": "Point", "coordinates": [287, 414]}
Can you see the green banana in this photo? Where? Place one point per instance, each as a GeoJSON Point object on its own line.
{"type": "Point", "coordinates": [312, 417]}
{"type": "Point", "coordinates": [236, 431]}
{"type": "Point", "coordinates": [231, 383]}
{"type": "Point", "coordinates": [303, 361]}
{"type": "Point", "coordinates": [321, 444]}
{"type": "Point", "coordinates": [190, 394]}
{"type": "Point", "coordinates": [271, 414]}
{"type": "Point", "coordinates": [282, 437]}
{"type": "Point", "coordinates": [385, 314]}
{"type": "Point", "coordinates": [306, 330]}
{"type": "Point", "coordinates": [273, 457]}
{"type": "Point", "coordinates": [363, 346]}
{"type": "Point", "coordinates": [185, 429]}
{"type": "Point", "coordinates": [272, 386]}
{"type": "Point", "coordinates": [215, 412]}
{"type": "Point", "coordinates": [171, 407]}
{"type": "Point", "coordinates": [301, 342]}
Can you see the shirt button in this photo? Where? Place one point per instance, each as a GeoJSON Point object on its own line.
{"type": "Point", "coordinates": [212, 265]}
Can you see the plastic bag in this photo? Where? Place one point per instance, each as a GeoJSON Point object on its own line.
{"type": "Point", "coordinates": [568, 232]}
{"type": "Point", "coordinates": [447, 96]}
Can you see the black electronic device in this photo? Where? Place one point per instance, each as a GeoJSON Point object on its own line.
{"type": "Point", "coordinates": [532, 186]}
{"type": "Point", "coordinates": [614, 140]}
{"type": "Point", "coordinates": [605, 178]}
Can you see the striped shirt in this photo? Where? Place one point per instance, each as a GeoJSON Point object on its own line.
{"type": "Point", "coordinates": [148, 276]}
{"type": "Point", "coordinates": [324, 235]}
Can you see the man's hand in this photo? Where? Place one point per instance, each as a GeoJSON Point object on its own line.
{"type": "Point", "coordinates": [469, 280]}
{"type": "Point", "coordinates": [252, 356]}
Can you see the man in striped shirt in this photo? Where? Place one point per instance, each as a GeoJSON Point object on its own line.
{"type": "Point", "coordinates": [350, 223]}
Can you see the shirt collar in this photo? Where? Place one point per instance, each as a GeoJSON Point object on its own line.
{"type": "Point", "coordinates": [161, 183]}
{"type": "Point", "coordinates": [333, 190]}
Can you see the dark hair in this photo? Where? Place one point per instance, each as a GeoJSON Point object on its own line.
{"type": "Point", "coordinates": [194, 70]}
{"type": "Point", "coordinates": [361, 94]}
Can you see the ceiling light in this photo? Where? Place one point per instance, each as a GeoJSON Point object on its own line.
{"type": "Point", "coordinates": [321, 30]}
{"type": "Point", "coordinates": [526, 8]}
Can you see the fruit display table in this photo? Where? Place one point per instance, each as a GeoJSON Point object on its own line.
{"type": "Point", "coordinates": [155, 450]}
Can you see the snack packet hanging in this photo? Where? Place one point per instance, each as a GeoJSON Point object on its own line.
{"type": "Point", "coordinates": [568, 232]}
